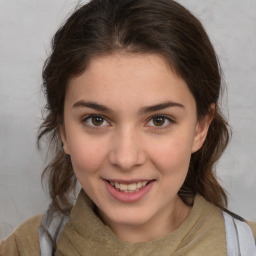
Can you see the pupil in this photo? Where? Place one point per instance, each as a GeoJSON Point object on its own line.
{"type": "Point", "coordinates": [158, 121]}
{"type": "Point", "coordinates": [97, 120]}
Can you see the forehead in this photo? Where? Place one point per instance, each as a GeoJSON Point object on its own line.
{"type": "Point", "coordinates": [128, 79]}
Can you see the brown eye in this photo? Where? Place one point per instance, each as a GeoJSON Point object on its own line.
{"type": "Point", "coordinates": [96, 121]}
{"type": "Point", "coordinates": [159, 121]}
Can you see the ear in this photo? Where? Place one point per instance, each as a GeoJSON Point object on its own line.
{"type": "Point", "coordinates": [202, 129]}
{"type": "Point", "coordinates": [64, 139]}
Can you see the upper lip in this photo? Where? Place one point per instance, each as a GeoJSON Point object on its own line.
{"type": "Point", "coordinates": [128, 181]}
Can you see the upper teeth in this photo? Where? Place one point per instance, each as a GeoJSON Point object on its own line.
{"type": "Point", "coordinates": [129, 187]}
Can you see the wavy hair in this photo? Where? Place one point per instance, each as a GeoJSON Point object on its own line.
{"type": "Point", "coordinates": [163, 27]}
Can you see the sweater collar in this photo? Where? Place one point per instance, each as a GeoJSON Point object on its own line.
{"type": "Point", "coordinates": [86, 232]}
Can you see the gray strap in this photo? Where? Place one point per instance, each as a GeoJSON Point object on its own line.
{"type": "Point", "coordinates": [240, 240]}
{"type": "Point", "coordinates": [49, 231]}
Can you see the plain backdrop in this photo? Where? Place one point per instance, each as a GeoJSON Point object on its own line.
{"type": "Point", "coordinates": [26, 28]}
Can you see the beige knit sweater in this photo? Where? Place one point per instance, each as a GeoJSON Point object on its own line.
{"type": "Point", "coordinates": [202, 233]}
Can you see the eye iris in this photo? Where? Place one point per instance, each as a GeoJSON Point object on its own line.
{"type": "Point", "coordinates": [97, 120]}
{"type": "Point", "coordinates": [158, 121]}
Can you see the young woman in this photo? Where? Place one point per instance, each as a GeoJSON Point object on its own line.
{"type": "Point", "coordinates": [132, 91]}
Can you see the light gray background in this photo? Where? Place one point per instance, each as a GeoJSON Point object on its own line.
{"type": "Point", "coordinates": [26, 27]}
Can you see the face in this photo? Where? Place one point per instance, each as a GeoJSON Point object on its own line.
{"type": "Point", "coordinates": [130, 126]}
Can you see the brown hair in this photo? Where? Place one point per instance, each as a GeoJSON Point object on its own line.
{"type": "Point", "coordinates": [163, 27]}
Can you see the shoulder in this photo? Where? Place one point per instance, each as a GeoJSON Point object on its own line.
{"type": "Point", "coordinates": [252, 225]}
{"type": "Point", "coordinates": [206, 229]}
{"type": "Point", "coordinates": [23, 240]}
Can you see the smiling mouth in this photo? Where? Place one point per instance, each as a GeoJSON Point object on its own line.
{"type": "Point", "coordinates": [130, 187]}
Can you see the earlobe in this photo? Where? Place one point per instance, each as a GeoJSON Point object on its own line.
{"type": "Point", "coordinates": [63, 139]}
{"type": "Point", "coordinates": [202, 128]}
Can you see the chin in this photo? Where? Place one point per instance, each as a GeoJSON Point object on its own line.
{"type": "Point", "coordinates": [128, 217]}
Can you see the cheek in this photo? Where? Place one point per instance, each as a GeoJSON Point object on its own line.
{"type": "Point", "coordinates": [87, 155]}
{"type": "Point", "coordinates": [173, 156]}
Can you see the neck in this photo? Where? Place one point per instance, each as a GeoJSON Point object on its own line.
{"type": "Point", "coordinates": [157, 227]}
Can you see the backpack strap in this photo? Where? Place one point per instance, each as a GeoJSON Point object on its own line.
{"type": "Point", "coordinates": [240, 240]}
{"type": "Point", "coordinates": [49, 231]}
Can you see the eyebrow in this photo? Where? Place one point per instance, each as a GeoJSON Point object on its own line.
{"type": "Point", "coordinates": [92, 105]}
{"type": "Point", "coordinates": [144, 110]}
{"type": "Point", "coordinates": [160, 106]}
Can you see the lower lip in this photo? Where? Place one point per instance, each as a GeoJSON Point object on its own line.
{"type": "Point", "coordinates": [128, 197]}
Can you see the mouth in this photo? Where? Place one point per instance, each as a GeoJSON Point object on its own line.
{"type": "Point", "coordinates": [129, 187]}
{"type": "Point", "coordinates": [128, 191]}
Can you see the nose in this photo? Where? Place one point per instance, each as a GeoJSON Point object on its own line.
{"type": "Point", "coordinates": [127, 150]}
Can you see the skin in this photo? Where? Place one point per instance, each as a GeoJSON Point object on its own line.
{"type": "Point", "coordinates": [129, 143]}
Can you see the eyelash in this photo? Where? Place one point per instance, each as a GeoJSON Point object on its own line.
{"type": "Point", "coordinates": [104, 119]}
{"type": "Point", "coordinates": [166, 119]}
{"type": "Point", "coordinates": [86, 121]}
